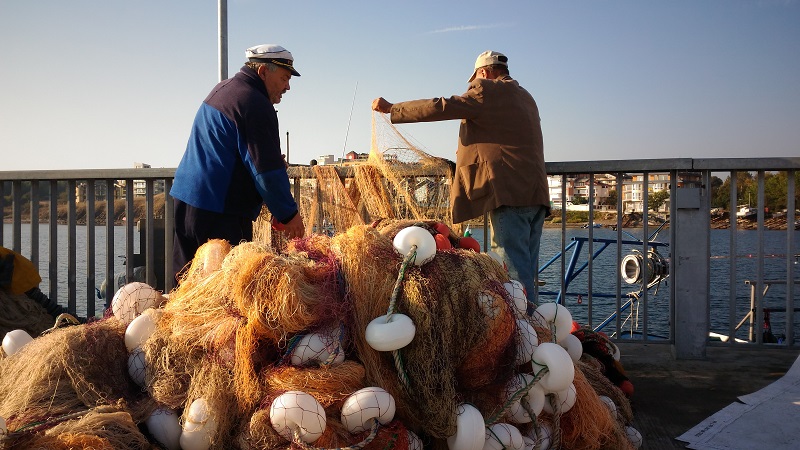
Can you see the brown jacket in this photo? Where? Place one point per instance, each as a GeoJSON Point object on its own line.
{"type": "Point", "coordinates": [500, 155]}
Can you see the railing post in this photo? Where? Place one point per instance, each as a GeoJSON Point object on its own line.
{"type": "Point", "coordinates": [690, 228]}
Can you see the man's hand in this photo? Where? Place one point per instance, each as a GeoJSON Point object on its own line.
{"type": "Point", "coordinates": [381, 105]}
{"type": "Point", "coordinates": [295, 227]}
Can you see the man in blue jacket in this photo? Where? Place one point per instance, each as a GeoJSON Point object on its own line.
{"type": "Point", "coordinates": [233, 162]}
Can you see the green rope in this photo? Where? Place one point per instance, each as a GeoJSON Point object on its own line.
{"type": "Point", "coordinates": [396, 355]}
{"type": "Point", "coordinates": [518, 395]}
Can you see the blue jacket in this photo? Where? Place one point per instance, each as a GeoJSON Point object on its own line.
{"type": "Point", "coordinates": [233, 160]}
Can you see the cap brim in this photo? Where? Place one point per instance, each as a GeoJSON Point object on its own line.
{"type": "Point", "coordinates": [475, 72]}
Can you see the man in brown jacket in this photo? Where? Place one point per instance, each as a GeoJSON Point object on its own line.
{"type": "Point", "coordinates": [499, 160]}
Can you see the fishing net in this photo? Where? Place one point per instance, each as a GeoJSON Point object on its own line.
{"type": "Point", "coordinates": [79, 369]}
{"type": "Point", "coordinates": [18, 312]}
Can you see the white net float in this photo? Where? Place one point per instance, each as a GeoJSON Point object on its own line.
{"type": "Point", "coordinates": [470, 429]}
{"type": "Point", "coordinates": [561, 370]}
{"type": "Point", "coordinates": [297, 412]}
{"type": "Point", "coordinates": [503, 436]}
{"type": "Point", "coordinates": [200, 426]}
{"type": "Point", "coordinates": [390, 332]}
{"type": "Point", "coordinates": [564, 400]}
{"type": "Point", "coordinates": [141, 328]}
{"type": "Point", "coordinates": [132, 299]}
{"type": "Point", "coordinates": [550, 315]}
{"type": "Point", "coordinates": [14, 340]}
{"type": "Point", "coordinates": [411, 236]}
{"type": "Point", "coordinates": [165, 427]}
{"type": "Point", "coordinates": [533, 400]}
{"type": "Point", "coordinates": [363, 406]}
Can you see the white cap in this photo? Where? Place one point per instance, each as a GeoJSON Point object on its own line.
{"type": "Point", "coordinates": [272, 53]}
{"type": "Point", "coordinates": [488, 58]}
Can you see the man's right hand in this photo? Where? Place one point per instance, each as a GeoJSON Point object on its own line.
{"type": "Point", "coordinates": [295, 227]}
{"type": "Point", "coordinates": [381, 105]}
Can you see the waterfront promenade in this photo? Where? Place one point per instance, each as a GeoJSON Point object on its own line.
{"type": "Point", "coordinates": [672, 396]}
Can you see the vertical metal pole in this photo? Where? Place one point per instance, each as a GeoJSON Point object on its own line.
{"type": "Point", "coordinates": [223, 39]}
{"type": "Point", "coordinates": [790, 252]}
{"type": "Point", "coordinates": [287, 147]}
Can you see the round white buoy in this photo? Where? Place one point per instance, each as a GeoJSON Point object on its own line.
{"type": "Point", "coordinates": [165, 426]}
{"type": "Point", "coordinates": [390, 332]}
{"type": "Point", "coordinates": [132, 299]}
{"type": "Point", "coordinates": [561, 369]}
{"type": "Point", "coordinates": [200, 426]}
{"type": "Point", "coordinates": [573, 346]}
{"type": "Point", "coordinates": [14, 340]}
{"type": "Point", "coordinates": [364, 405]}
{"type": "Point", "coordinates": [408, 237]}
{"type": "Point", "coordinates": [556, 315]}
{"type": "Point", "coordinates": [470, 429]}
{"type": "Point", "coordinates": [634, 436]}
{"type": "Point", "coordinates": [317, 348]}
{"type": "Point", "coordinates": [502, 436]}
{"type": "Point", "coordinates": [297, 412]}
{"type": "Point", "coordinates": [141, 328]}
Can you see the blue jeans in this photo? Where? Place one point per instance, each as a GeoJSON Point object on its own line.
{"type": "Point", "coordinates": [516, 233]}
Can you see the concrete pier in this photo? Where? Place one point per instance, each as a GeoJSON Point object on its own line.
{"type": "Point", "coordinates": [673, 395]}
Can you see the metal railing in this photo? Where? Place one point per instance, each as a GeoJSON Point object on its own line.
{"type": "Point", "coordinates": [684, 319]}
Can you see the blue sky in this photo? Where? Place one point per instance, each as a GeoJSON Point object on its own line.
{"type": "Point", "coordinates": [106, 83]}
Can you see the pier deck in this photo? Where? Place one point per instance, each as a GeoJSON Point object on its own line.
{"type": "Point", "coordinates": [672, 396]}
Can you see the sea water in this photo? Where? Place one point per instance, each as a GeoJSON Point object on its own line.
{"type": "Point", "coordinates": [604, 275]}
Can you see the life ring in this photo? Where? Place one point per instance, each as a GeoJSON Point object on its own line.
{"type": "Point", "coordinates": [561, 370]}
{"type": "Point", "coordinates": [503, 436]}
{"type": "Point", "coordinates": [565, 400]}
{"type": "Point", "coordinates": [165, 426]}
{"type": "Point", "coordinates": [200, 426]}
{"type": "Point", "coordinates": [528, 341]}
{"type": "Point", "coordinates": [364, 405]}
{"type": "Point", "coordinates": [517, 292]}
{"type": "Point", "coordinates": [141, 328]}
{"type": "Point", "coordinates": [297, 411]}
{"type": "Point", "coordinates": [573, 346]}
{"type": "Point", "coordinates": [422, 238]}
{"type": "Point", "coordinates": [14, 340]}
{"type": "Point", "coordinates": [470, 429]}
{"type": "Point", "coordinates": [555, 314]}
{"type": "Point", "coordinates": [390, 332]}
{"type": "Point", "coordinates": [533, 400]}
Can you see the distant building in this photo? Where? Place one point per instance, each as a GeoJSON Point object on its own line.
{"type": "Point", "coordinates": [140, 186]}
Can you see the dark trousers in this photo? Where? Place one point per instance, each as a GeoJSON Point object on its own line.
{"type": "Point", "coordinates": [195, 226]}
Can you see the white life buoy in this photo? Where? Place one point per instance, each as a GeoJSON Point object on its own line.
{"type": "Point", "coordinates": [561, 370]}
{"type": "Point", "coordinates": [141, 328]}
{"type": "Point", "coordinates": [14, 340]}
{"type": "Point", "coordinates": [502, 436]}
{"type": "Point", "coordinates": [388, 333]}
{"type": "Point", "coordinates": [470, 429]}
{"type": "Point", "coordinates": [422, 238]}
{"type": "Point", "coordinates": [297, 411]}
{"type": "Point", "coordinates": [199, 427]}
{"type": "Point", "coordinates": [364, 405]}
{"type": "Point", "coordinates": [555, 314]}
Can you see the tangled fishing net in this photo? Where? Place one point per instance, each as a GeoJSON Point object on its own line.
{"type": "Point", "coordinates": [261, 335]}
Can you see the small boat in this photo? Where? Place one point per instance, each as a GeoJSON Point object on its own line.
{"type": "Point", "coordinates": [746, 212]}
{"type": "Point", "coordinates": [594, 225]}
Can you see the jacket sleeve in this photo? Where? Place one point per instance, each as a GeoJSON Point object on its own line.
{"type": "Point", "coordinates": [466, 106]}
{"type": "Point", "coordinates": [275, 190]}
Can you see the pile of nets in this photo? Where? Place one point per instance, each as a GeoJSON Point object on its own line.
{"type": "Point", "coordinates": [263, 349]}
